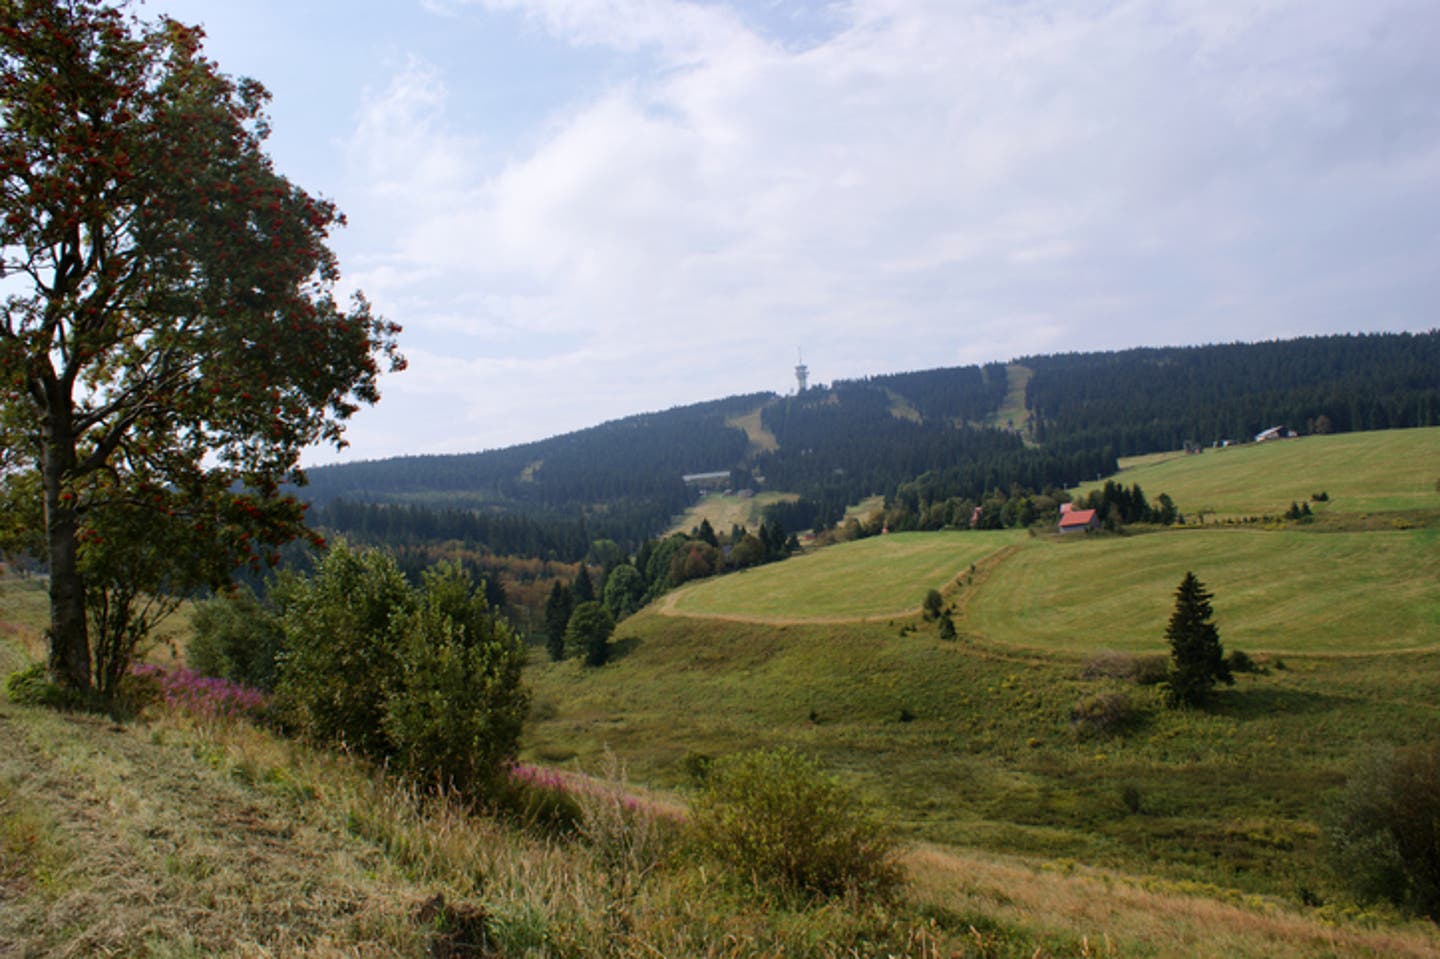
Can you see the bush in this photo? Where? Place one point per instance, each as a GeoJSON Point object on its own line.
{"type": "Point", "coordinates": [777, 818]}
{"type": "Point", "coordinates": [1142, 670]}
{"type": "Point", "coordinates": [454, 709]}
{"type": "Point", "coordinates": [32, 687]}
{"type": "Point", "coordinates": [947, 626]}
{"type": "Point", "coordinates": [1240, 661]}
{"type": "Point", "coordinates": [933, 604]}
{"type": "Point", "coordinates": [588, 633]}
{"type": "Point", "coordinates": [341, 649]}
{"type": "Point", "coordinates": [1384, 831]}
{"type": "Point", "coordinates": [235, 637]}
{"type": "Point", "coordinates": [1104, 714]}
{"type": "Point", "coordinates": [427, 679]}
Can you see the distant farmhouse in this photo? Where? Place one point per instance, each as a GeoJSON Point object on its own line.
{"type": "Point", "coordinates": [1077, 520]}
{"type": "Point", "coordinates": [1276, 433]}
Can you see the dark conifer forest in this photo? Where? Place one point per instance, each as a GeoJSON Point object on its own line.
{"type": "Point", "coordinates": [920, 439]}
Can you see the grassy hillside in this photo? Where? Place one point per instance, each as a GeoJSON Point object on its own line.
{"type": "Point", "coordinates": [1285, 591]}
{"type": "Point", "coordinates": [1385, 471]}
{"type": "Point", "coordinates": [879, 577]}
{"type": "Point", "coordinates": [222, 840]}
{"type": "Point", "coordinates": [1175, 833]}
{"type": "Point", "coordinates": [968, 743]}
{"type": "Point", "coordinates": [973, 743]}
{"type": "Point", "coordinates": [219, 839]}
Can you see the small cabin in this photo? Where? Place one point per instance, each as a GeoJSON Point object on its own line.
{"type": "Point", "coordinates": [1079, 520]}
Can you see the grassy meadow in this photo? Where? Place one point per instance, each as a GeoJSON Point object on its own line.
{"type": "Point", "coordinates": [1290, 591]}
{"type": "Point", "coordinates": [880, 577]}
{"type": "Point", "coordinates": [1028, 834]}
{"type": "Point", "coordinates": [971, 744]}
{"type": "Point", "coordinates": [1363, 473]}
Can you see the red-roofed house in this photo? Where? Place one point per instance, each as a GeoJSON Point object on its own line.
{"type": "Point", "coordinates": [1078, 520]}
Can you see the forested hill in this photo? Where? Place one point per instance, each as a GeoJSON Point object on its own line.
{"type": "Point", "coordinates": [1148, 400]}
{"type": "Point", "coordinates": [624, 476]}
{"type": "Point", "coordinates": [622, 480]}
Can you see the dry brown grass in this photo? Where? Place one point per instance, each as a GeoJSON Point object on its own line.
{"type": "Point", "coordinates": [1138, 917]}
{"type": "Point", "coordinates": [761, 439]}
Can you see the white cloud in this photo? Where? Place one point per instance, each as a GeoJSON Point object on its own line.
{"type": "Point", "coordinates": [927, 183]}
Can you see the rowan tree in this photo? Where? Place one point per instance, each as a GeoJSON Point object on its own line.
{"type": "Point", "coordinates": [1198, 658]}
{"type": "Point", "coordinates": [169, 337]}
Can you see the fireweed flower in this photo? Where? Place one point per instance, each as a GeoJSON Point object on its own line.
{"type": "Point", "coordinates": [206, 697]}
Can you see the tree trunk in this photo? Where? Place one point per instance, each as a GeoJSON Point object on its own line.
{"type": "Point", "coordinates": [69, 640]}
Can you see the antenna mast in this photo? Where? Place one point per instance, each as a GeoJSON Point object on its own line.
{"type": "Point", "coordinates": [802, 372]}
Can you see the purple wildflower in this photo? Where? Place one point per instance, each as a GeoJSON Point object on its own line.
{"type": "Point", "coordinates": [204, 696]}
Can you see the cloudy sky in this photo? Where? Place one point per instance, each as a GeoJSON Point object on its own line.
{"type": "Point", "coordinates": [582, 209]}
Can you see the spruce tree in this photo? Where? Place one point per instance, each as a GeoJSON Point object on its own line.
{"type": "Point", "coordinates": [557, 617]}
{"type": "Point", "coordinates": [583, 589]}
{"type": "Point", "coordinates": [1199, 660]}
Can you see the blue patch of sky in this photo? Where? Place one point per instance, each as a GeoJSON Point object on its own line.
{"type": "Point", "coordinates": [793, 24]}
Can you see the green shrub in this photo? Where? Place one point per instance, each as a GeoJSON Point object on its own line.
{"type": "Point", "coordinates": [1240, 661]}
{"type": "Point", "coordinates": [1146, 670]}
{"type": "Point", "coordinates": [428, 679]}
{"type": "Point", "coordinates": [1384, 831]}
{"type": "Point", "coordinates": [236, 637]}
{"type": "Point", "coordinates": [588, 633]}
{"type": "Point", "coordinates": [31, 686]}
{"type": "Point", "coordinates": [1104, 714]}
{"type": "Point", "coordinates": [775, 817]}
{"type": "Point", "coordinates": [341, 648]}
{"type": "Point", "coordinates": [453, 710]}
{"type": "Point", "coordinates": [947, 626]}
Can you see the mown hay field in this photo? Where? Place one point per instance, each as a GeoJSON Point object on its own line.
{"type": "Point", "coordinates": [1293, 591]}
{"type": "Point", "coordinates": [871, 578]}
{"type": "Point", "coordinates": [1383, 471]}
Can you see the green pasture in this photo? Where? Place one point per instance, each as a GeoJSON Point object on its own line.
{"type": "Point", "coordinates": [1376, 472]}
{"type": "Point", "coordinates": [1282, 591]}
{"type": "Point", "coordinates": [875, 577]}
{"type": "Point", "coordinates": [971, 742]}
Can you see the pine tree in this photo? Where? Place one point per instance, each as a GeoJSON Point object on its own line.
{"type": "Point", "coordinates": [1199, 660]}
{"type": "Point", "coordinates": [583, 589]}
{"type": "Point", "coordinates": [557, 617]}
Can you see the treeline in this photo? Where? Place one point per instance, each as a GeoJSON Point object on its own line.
{"type": "Point", "coordinates": [631, 466]}
{"type": "Point", "coordinates": [1116, 506]}
{"type": "Point", "coordinates": [913, 437]}
{"type": "Point", "coordinates": [1149, 400]}
{"type": "Point", "coordinates": [958, 395]}
{"type": "Point", "coordinates": [841, 445]}
{"type": "Point", "coordinates": [399, 525]}
{"type": "Point", "coordinates": [627, 583]}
